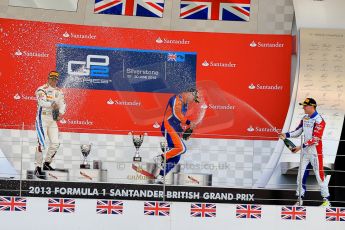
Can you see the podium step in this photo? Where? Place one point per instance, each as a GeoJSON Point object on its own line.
{"type": "Point", "coordinates": [86, 175]}
{"type": "Point", "coordinates": [56, 175]}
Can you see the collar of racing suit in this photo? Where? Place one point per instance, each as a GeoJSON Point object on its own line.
{"type": "Point", "coordinates": [314, 114]}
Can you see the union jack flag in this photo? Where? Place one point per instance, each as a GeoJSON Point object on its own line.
{"type": "Point", "coordinates": [335, 214]}
{"type": "Point", "coordinates": [156, 208]}
{"type": "Point", "coordinates": [203, 210]}
{"type": "Point", "coordinates": [12, 203]}
{"type": "Point", "coordinates": [248, 211]}
{"type": "Point", "coordinates": [144, 8]}
{"type": "Point", "coordinates": [293, 213]}
{"type": "Point", "coordinates": [224, 10]}
{"type": "Point", "coordinates": [61, 205]}
{"type": "Point", "coordinates": [109, 207]}
{"type": "Point", "coordinates": [172, 56]}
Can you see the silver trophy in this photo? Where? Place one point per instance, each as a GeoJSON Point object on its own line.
{"type": "Point", "coordinates": [137, 141]}
{"type": "Point", "coordinates": [85, 151]}
{"type": "Point", "coordinates": [164, 146]}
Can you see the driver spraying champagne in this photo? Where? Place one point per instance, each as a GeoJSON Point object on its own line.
{"type": "Point", "coordinates": [51, 107]}
{"type": "Point", "coordinates": [173, 121]}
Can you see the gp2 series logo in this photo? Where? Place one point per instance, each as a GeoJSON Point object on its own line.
{"type": "Point", "coordinates": [95, 66]}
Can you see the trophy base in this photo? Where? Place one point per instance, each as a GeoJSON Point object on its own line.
{"type": "Point", "coordinates": [137, 159]}
{"type": "Point", "coordinates": [85, 166]}
{"type": "Point", "coordinates": [193, 179]}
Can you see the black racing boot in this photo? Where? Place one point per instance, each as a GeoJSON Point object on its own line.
{"type": "Point", "coordinates": [46, 166]}
{"type": "Point", "coordinates": [39, 174]}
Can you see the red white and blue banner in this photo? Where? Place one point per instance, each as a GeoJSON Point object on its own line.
{"type": "Point", "coordinates": [223, 10]}
{"type": "Point", "coordinates": [109, 207]}
{"type": "Point", "coordinates": [294, 213]}
{"type": "Point", "coordinates": [335, 214]}
{"type": "Point", "coordinates": [10, 203]}
{"type": "Point", "coordinates": [61, 205]}
{"type": "Point", "coordinates": [248, 211]}
{"type": "Point", "coordinates": [143, 8]}
{"type": "Point", "coordinates": [155, 208]}
{"type": "Point", "coordinates": [203, 210]}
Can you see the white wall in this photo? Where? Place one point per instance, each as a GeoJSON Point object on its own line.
{"type": "Point", "coordinates": [327, 14]}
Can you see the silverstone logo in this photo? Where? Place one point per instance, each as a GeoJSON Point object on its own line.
{"type": "Point", "coordinates": [94, 70]}
{"type": "Point", "coordinates": [159, 40]}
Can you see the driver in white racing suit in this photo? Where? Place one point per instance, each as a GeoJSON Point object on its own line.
{"type": "Point", "coordinates": [49, 98]}
{"type": "Point", "coordinates": [312, 125]}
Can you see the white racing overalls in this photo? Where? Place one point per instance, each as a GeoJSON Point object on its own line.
{"type": "Point", "coordinates": [46, 127]}
{"type": "Point", "coordinates": [312, 156]}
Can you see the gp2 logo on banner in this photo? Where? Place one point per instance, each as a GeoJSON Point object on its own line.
{"type": "Point", "coordinates": [95, 66]}
{"type": "Point", "coordinates": [131, 70]}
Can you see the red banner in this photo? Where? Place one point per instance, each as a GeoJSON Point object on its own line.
{"type": "Point", "coordinates": [244, 79]}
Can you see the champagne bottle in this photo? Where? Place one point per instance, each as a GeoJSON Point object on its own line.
{"type": "Point", "coordinates": [289, 144]}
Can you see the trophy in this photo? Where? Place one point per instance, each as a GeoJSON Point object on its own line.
{"type": "Point", "coordinates": [137, 141]}
{"type": "Point", "coordinates": [85, 151]}
{"type": "Point", "coordinates": [164, 146]}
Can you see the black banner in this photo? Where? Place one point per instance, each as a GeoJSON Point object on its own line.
{"type": "Point", "coordinates": [32, 188]}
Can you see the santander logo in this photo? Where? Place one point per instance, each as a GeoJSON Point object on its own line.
{"type": "Point", "coordinates": [65, 35]}
{"type": "Point", "coordinates": [156, 125]}
{"type": "Point", "coordinates": [116, 102]}
{"type": "Point", "coordinates": [110, 102]}
{"type": "Point", "coordinates": [250, 129]}
{"type": "Point", "coordinates": [18, 53]}
{"type": "Point", "coordinates": [263, 129]}
{"type": "Point", "coordinates": [253, 44]}
{"type": "Point", "coordinates": [182, 41]}
{"type": "Point", "coordinates": [211, 63]}
{"type": "Point", "coordinates": [17, 97]}
{"type": "Point", "coordinates": [204, 106]}
{"type": "Point", "coordinates": [159, 40]}
{"type": "Point", "coordinates": [265, 87]}
{"type": "Point", "coordinates": [205, 63]}
{"type": "Point", "coordinates": [63, 121]}
{"type": "Point", "coordinates": [76, 122]}
{"type": "Point", "coordinates": [251, 86]}
{"type": "Point", "coordinates": [24, 97]}
{"type": "Point", "coordinates": [80, 36]}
